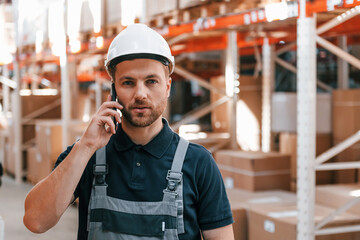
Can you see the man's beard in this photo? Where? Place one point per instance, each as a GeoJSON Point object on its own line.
{"type": "Point", "coordinates": [140, 119]}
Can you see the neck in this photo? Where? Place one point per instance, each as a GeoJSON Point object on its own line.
{"type": "Point", "coordinates": [142, 135]}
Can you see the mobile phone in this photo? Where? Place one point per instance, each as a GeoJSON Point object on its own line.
{"type": "Point", "coordinates": [113, 98]}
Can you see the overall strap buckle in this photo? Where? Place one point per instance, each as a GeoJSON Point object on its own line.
{"type": "Point", "coordinates": [173, 179]}
{"type": "Point", "coordinates": [100, 171]}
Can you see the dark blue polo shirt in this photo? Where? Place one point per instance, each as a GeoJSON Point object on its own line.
{"type": "Point", "coordinates": [138, 173]}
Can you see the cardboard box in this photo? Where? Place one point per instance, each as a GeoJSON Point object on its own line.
{"type": "Point", "coordinates": [10, 150]}
{"type": "Point", "coordinates": [254, 170]}
{"type": "Point", "coordinates": [240, 222]}
{"type": "Point", "coordinates": [248, 112]}
{"type": "Point", "coordinates": [284, 112]}
{"type": "Point", "coordinates": [211, 141]}
{"type": "Point", "coordinates": [49, 139]}
{"type": "Point", "coordinates": [220, 115]}
{"type": "Point", "coordinates": [76, 130]}
{"type": "Point", "coordinates": [346, 113]}
{"type": "Point", "coordinates": [288, 145]}
{"type": "Point", "coordinates": [350, 154]}
{"type": "Point", "coordinates": [37, 166]}
{"type": "Point", "coordinates": [113, 10]}
{"type": "Point", "coordinates": [9, 161]}
{"type": "Point", "coordinates": [337, 195]}
{"type": "Point", "coordinates": [190, 3]}
{"type": "Point", "coordinates": [346, 122]}
{"type": "Point", "coordinates": [278, 222]}
{"type": "Point", "coordinates": [33, 103]}
{"type": "Point", "coordinates": [240, 200]}
{"type": "Point", "coordinates": [160, 7]}
{"type": "Point", "coordinates": [35, 107]}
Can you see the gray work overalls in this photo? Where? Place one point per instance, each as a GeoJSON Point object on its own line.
{"type": "Point", "coordinates": [111, 218]}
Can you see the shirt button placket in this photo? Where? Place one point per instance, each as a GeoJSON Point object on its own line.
{"type": "Point", "coordinates": [138, 150]}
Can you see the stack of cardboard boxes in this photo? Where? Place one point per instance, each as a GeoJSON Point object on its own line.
{"type": "Point", "coordinates": [42, 157]}
{"type": "Point", "coordinates": [288, 145]}
{"type": "Point", "coordinates": [272, 214]}
{"type": "Point", "coordinates": [253, 179]}
{"type": "Point", "coordinates": [241, 200]}
{"type": "Point", "coordinates": [254, 171]}
{"type": "Point", "coordinates": [279, 221]}
{"type": "Point", "coordinates": [248, 111]}
{"type": "Point", "coordinates": [34, 107]}
{"type": "Point", "coordinates": [346, 122]}
{"type": "Point", "coordinates": [42, 134]}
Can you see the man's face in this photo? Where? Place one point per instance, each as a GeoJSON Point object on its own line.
{"type": "Point", "coordinates": [142, 87]}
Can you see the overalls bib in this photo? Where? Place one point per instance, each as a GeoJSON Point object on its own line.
{"type": "Point", "coordinates": [111, 218]}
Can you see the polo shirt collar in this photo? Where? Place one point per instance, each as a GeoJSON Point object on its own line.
{"type": "Point", "coordinates": [156, 147]}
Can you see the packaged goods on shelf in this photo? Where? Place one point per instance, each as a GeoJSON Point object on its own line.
{"type": "Point", "coordinates": [34, 107]}
{"type": "Point", "coordinates": [85, 104]}
{"type": "Point", "coordinates": [284, 112]}
{"type": "Point", "coordinates": [211, 141]}
{"type": "Point", "coordinates": [337, 195]}
{"type": "Point", "coordinates": [76, 130]}
{"type": "Point", "coordinates": [160, 7]}
{"type": "Point", "coordinates": [346, 113]}
{"type": "Point", "coordinates": [113, 11]}
{"type": "Point", "coordinates": [248, 112]}
{"type": "Point", "coordinates": [49, 139]}
{"type": "Point", "coordinates": [265, 2]}
{"type": "Point", "coordinates": [279, 221]}
{"type": "Point", "coordinates": [346, 122]}
{"type": "Point", "coordinates": [161, 12]}
{"type": "Point", "coordinates": [10, 150]}
{"type": "Point", "coordinates": [254, 171]}
{"type": "Point", "coordinates": [288, 145]}
{"type": "Point", "coordinates": [48, 146]}
{"type": "Point", "coordinates": [3, 140]}
{"type": "Point", "coordinates": [240, 200]}
{"type": "Point", "coordinates": [38, 107]}
{"type": "Point", "coordinates": [37, 166]}
{"type": "Point", "coordinates": [237, 5]}
{"type": "Point", "coordinates": [348, 155]}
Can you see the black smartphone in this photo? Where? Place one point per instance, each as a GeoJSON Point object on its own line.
{"type": "Point", "coordinates": [113, 98]}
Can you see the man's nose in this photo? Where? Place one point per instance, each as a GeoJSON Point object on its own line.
{"type": "Point", "coordinates": [140, 91]}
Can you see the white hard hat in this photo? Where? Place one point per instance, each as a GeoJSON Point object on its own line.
{"type": "Point", "coordinates": [139, 41]}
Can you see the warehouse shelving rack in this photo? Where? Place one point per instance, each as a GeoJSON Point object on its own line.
{"type": "Point", "coordinates": [227, 32]}
{"type": "Point", "coordinates": [308, 35]}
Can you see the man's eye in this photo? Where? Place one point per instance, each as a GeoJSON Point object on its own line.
{"type": "Point", "coordinates": [127, 83]}
{"type": "Point", "coordinates": [151, 81]}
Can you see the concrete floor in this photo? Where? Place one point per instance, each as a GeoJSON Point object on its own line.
{"type": "Point", "coordinates": [12, 198]}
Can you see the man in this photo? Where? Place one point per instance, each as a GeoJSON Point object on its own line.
{"type": "Point", "coordinates": [134, 177]}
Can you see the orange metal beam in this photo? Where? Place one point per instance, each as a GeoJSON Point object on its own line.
{"type": "Point", "coordinates": [242, 18]}
{"type": "Point", "coordinates": [200, 44]}
{"type": "Point", "coordinates": [316, 7]}
{"type": "Point", "coordinates": [350, 27]}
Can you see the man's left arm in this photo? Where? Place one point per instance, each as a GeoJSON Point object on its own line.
{"type": "Point", "coordinates": [223, 233]}
{"type": "Point", "coordinates": [213, 207]}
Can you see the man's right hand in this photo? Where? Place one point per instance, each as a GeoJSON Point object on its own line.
{"type": "Point", "coordinates": [48, 200]}
{"type": "Point", "coordinates": [102, 126]}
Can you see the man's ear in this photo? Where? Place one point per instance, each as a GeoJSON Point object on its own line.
{"type": "Point", "coordinates": [168, 87]}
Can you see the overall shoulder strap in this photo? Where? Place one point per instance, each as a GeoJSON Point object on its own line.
{"type": "Point", "coordinates": [180, 155]}
{"type": "Point", "coordinates": [174, 175]}
{"type": "Point", "coordinates": [174, 190]}
{"type": "Point", "coordinates": [100, 170]}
